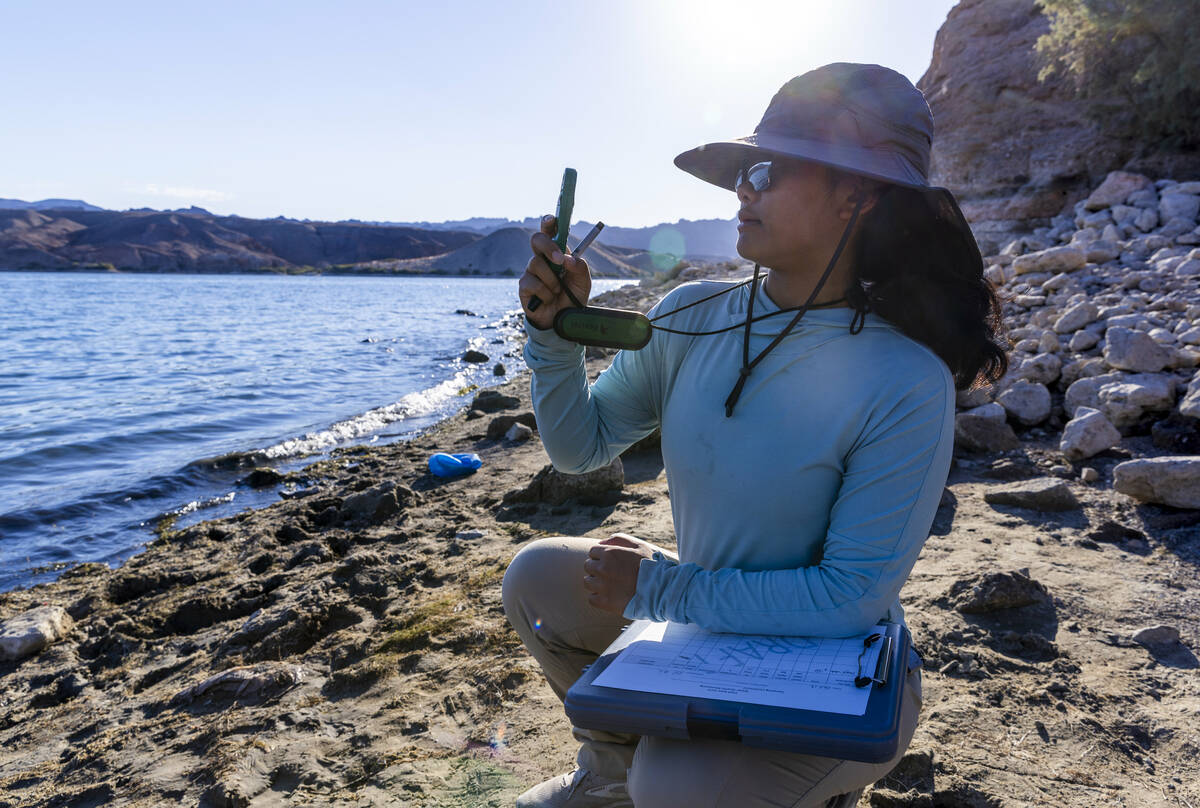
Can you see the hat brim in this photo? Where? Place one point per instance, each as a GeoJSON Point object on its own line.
{"type": "Point", "coordinates": [718, 163]}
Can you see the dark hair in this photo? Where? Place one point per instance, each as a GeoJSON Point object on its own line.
{"type": "Point", "coordinates": [914, 267]}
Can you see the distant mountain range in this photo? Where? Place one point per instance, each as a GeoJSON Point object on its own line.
{"type": "Point", "coordinates": [46, 204]}
{"type": "Point", "coordinates": [702, 238]}
{"type": "Point", "coordinates": [62, 234]}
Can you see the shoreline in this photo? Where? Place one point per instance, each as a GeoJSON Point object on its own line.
{"type": "Point", "coordinates": [348, 647]}
{"type": "Point", "coordinates": [295, 270]}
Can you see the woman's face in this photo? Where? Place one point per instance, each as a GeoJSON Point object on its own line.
{"type": "Point", "coordinates": [796, 219]}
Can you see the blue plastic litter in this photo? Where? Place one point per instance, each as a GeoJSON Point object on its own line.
{"type": "Point", "coordinates": [453, 465]}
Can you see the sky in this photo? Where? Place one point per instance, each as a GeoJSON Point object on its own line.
{"type": "Point", "coordinates": [411, 111]}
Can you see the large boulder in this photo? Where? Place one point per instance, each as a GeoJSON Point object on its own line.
{"type": "Point", "coordinates": [1087, 434]}
{"type": "Point", "coordinates": [1178, 206]}
{"type": "Point", "coordinates": [1027, 403]}
{"type": "Point", "coordinates": [1124, 398]}
{"type": "Point", "coordinates": [1055, 259]}
{"type": "Point", "coordinates": [555, 487]}
{"type": "Point", "coordinates": [1126, 349]}
{"type": "Point", "coordinates": [1036, 495]}
{"type": "Point", "coordinates": [1116, 188]}
{"type": "Point", "coordinates": [1173, 481]}
{"type": "Point", "coordinates": [1127, 403]}
{"type": "Point", "coordinates": [984, 429]}
{"type": "Point", "coordinates": [1190, 405]}
{"type": "Point", "coordinates": [1043, 368]}
{"type": "Point", "coordinates": [995, 591]}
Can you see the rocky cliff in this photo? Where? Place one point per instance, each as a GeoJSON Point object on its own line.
{"type": "Point", "coordinates": [1017, 151]}
{"type": "Point", "coordinates": [178, 241]}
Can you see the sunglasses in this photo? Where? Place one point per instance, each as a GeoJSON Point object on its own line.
{"type": "Point", "coordinates": [760, 175]}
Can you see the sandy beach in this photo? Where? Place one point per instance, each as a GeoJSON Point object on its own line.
{"type": "Point", "coordinates": [347, 646]}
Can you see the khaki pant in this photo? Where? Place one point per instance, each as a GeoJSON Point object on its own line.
{"type": "Point", "coordinates": [546, 603]}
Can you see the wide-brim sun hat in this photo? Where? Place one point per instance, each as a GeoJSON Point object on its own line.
{"type": "Point", "coordinates": [867, 120]}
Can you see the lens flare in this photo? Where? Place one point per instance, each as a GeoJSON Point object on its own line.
{"type": "Point", "coordinates": [498, 736]}
{"type": "Point", "coordinates": [537, 624]}
{"type": "Point", "coordinates": [667, 248]}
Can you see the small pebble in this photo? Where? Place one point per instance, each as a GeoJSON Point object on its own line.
{"type": "Point", "coordinates": [1089, 474]}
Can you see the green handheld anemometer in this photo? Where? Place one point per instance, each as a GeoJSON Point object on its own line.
{"type": "Point", "coordinates": [590, 325]}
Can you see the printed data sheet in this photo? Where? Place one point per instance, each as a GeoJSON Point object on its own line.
{"type": "Point", "coordinates": [808, 673]}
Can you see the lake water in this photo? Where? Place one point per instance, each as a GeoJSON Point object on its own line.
{"type": "Point", "coordinates": [120, 392]}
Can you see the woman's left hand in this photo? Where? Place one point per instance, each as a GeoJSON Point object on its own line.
{"type": "Point", "coordinates": [611, 571]}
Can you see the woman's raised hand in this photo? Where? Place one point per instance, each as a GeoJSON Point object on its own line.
{"type": "Point", "coordinates": [539, 279]}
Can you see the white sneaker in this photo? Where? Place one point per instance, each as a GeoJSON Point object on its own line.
{"type": "Point", "coordinates": [578, 789]}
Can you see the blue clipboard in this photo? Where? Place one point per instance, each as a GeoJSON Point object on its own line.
{"type": "Point", "coordinates": [873, 737]}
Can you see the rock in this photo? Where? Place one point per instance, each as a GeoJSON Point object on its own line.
{"type": "Point", "coordinates": [1116, 188]}
{"type": "Point", "coordinates": [1125, 349]}
{"type": "Point", "coordinates": [1036, 495]}
{"type": "Point", "coordinates": [1027, 403]}
{"type": "Point", "coordinates": [1173, 481]}
{"type": "Point", "coordinates": [1123, 398]}
{"type": "Point", "coordinates": [475, 356]}
{"type": "Point", "coordinates": [1190, 405]}
{"type": "Point", "coordinates": [1083, 340]}
{"type": "Point", "coordinates": [995, 591]}
{"type": "Point", "coordinates": [1087, 434]}
{"type": "Point", "coordinates": [1178, 206]}
{"type": "Point", "coordinates": [983, 89]}
{"type": "Point", "coordinates": [29, 632]}
{"type": "Point", "coordinates": [1156, 637]}
{"type": "Point", "coordinates": [1127, 402]}
{"type": "Point", "coordinates": [499, 369]}
{"type": "Point", "coordinates": [1081, 369]}
{"type": "Point", "coordinates": [1105, 249]}
{"type": "Point", "coordinates": [501, 424]}
{"type": "Point", "coordinates": [1146, 220]}
{"type": "Point", "coordinates": [378, 503]}
{"type": "Point", "coordinates": [261, 680]}
{"type": "Point", "coordinates": [263, 478]}
{"type": "Point", "coordinates": [1088, 474]}
{"type": "Point", "coordinates": [518, 433]}
{"type": "Point", "coordinates": [556, 487]}
{"type": "Point", "coordinates": [492, 400]}
{"type": "Point", "coordinates": [1055, 259]}
{"type": "Point", "coordinates": [1188, 268]}
{"type": "Point", "coordinates": [1177, 433]}
{"type": "Point", "coordinates": [466, 312]}
{"type": "Point", "coordinates": [984, 429]}
{"type": "Point", "coordinates": [1085, 392]}
{"type": "Point", "coordinates": [1123, 215]}
{"type": "Point", "coordinates": [1076, 317]}
{"type": "Point", "coordinates": [1043, 368]}
{"type": "Point", "coordinates": [975, 397]}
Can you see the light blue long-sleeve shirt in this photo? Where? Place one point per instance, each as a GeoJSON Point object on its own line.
{"type": "Point", "coordinates": [802, 514]}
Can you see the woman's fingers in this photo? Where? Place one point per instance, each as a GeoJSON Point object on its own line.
{"type": "Point", "coordinates": [530, 286]}
{"type": "Point", "coordinates": [624, 540]}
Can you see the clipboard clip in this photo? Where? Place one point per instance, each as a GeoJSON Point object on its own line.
{"type": "Point", "coordinates": [882, 664]}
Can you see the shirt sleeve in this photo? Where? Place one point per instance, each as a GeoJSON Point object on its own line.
{"type": "Point", "coordinates": [583, 427]}
{"type": "Point", "coordinates": [890, 490]}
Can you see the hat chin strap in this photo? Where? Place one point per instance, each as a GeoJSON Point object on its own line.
{"type": "Point", "coordinates": [747, 364]}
